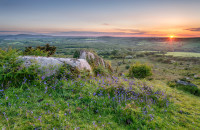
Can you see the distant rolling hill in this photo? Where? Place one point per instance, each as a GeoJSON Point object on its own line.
{"type": "Point", "coordinates": [23, 36]}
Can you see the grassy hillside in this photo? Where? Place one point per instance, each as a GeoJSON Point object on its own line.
{"type": "Point", "coordinates": [98, 103]}
{"type": "Point", "coordinates": [31, 101]}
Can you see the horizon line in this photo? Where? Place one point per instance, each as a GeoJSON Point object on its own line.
{"type": "Point", "coordinates": [98, 36]}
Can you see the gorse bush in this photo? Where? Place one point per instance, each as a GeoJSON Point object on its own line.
{"type": "Point", "coordinates": [140, 71]}
{"type": "Point", "coordinates": [12, 71]}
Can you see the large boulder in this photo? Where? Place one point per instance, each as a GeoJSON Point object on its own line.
{"type": "Point", "coordinates": [51, 65]}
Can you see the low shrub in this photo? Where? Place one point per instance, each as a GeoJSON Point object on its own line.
{"type": "Point", "coordinates": [69, 72]}
{"type": "Point", "coordinates": [12, 72]}
{"type": "Point", "coordinates": [100, 70]}
{"type": "Point", "coordinates": [140, 71]}
{"type": "Point", "coordinates": [46, 50]}
{"type": "Point", "coordinates": [35, 52]}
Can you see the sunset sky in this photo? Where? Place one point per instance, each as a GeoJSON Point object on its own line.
{"type": "Point", "coordinates": [135, 18]}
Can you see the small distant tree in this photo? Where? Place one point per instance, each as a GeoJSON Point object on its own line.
{"type": "Point", "coordinates": [114, 52]}
{"type": "Point", "coordinates": [47, 48]}
{"type": "Point", "coordinates": [76, 54]}
{"type": "Point", "coordinates": [127, 67]}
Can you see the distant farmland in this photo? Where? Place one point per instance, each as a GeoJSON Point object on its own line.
{"type": "Point", "coordinates": [184, 54]}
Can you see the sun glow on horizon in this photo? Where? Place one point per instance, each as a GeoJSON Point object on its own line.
{"type": "Point", "coordinates": [171, 36]}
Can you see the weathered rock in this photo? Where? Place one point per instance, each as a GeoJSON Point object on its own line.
{"type": "Point", "coordinates": [129, 57]}
{"type": "Point", "coordinates": [196, 76]}
{"type": "Point", "coordinates": [50, 65]}
{"type": "Point", "coordinates": [185, 83]}
{"type": "Point", "coordinates": [86, 54]}
{"type": "Point", "coordinates": [94, 60]}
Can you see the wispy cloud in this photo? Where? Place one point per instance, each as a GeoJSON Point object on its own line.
{"type": "Point", "coordinates": [92, 33]}
{"type": "Point", "coordinates": [135, 31]}
{"type": "Point", "coordinates": [119, 32]}
{"type": "Point", "coordinates": [193, 29]}
{"type": "Point", "coordinates": [106, 24]}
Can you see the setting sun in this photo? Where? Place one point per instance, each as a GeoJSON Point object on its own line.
{"type": "Point", "coordinates": [172, 36]}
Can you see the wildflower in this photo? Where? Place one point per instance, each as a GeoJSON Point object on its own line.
{"type": "Point", "coordinates": [113, 98]}
{"type": "Point", "coordinates": [151, 116]}
{"type": "Point", "coordinates": [43, 77]}
{"type": "Point", "coordinates": [93, 123]}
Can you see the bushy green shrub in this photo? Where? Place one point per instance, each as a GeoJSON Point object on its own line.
{"type": "Point", "coordinates": [35, 52]}
{"type": "Point", "coordinates": [12, 72]}
{"type": "Point", "coordinates": [46, 50]}
{"type": "Point", "coordinates": [69, 72]}
{"type": "Point", "coordinates": [140, 70]}
{"type": "Point", "coordinates": [100, 70]}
